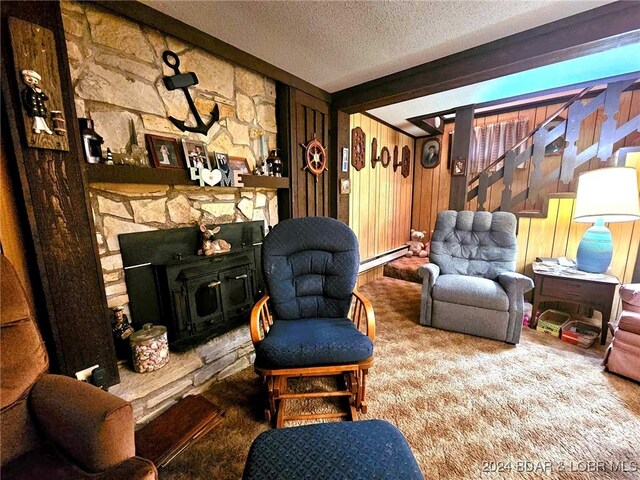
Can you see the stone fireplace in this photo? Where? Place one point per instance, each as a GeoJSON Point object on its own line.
{"type": "Point", "coordinates": [116, 68]}
{"type": "Point", "coordinates": [120, 208]}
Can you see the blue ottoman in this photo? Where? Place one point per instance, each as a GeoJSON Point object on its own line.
{"type": "Point", "coordinates": [366, 450]}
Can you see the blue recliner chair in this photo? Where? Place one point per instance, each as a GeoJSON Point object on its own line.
{"type": "Point", "coordinates": [470, 285]}
{"type": "Point", "coordinates": [310, 322]}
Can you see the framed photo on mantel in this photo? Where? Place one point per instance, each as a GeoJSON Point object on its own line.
{"type": "Point", "coordinates": [164, 151]}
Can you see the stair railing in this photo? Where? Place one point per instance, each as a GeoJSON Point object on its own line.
{"type": "Point", "coordinates": [571, 159]}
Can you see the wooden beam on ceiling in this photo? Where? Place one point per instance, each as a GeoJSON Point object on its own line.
{"type": "Point", "coordinates": [143, 14]}
{"type": "Point", "coordinates": [603, 28]}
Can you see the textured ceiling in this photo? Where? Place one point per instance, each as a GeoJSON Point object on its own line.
{"type": "Point", "coordinates": [338, 44]}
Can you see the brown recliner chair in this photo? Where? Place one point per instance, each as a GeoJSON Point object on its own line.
{"type": "Point", "coordinates": [623, 355]}
{"type": "Point", "coordinates": [51, 426]}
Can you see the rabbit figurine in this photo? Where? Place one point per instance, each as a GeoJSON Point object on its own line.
{"type": "Point", "coordinates": [211, 246]}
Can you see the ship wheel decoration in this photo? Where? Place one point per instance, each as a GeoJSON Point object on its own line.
{"type": "Point", "coordinates": [315, 157]}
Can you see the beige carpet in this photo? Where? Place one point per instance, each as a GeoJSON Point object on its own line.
{"type": "Point", "coordinates": [462, 401]}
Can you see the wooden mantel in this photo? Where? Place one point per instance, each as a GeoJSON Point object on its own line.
{"type": "Point", "coordinates": [99, 173]}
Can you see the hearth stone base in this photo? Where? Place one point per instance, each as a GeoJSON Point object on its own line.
{"type": "Point", "coordinates": [186, 373]}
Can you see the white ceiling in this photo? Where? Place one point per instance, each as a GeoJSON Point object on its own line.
{"type": "Point", "coordinates": [338, 44]}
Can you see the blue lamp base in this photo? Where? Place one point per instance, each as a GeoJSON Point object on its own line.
{"type": "Point", "coordinates": [596, 249]}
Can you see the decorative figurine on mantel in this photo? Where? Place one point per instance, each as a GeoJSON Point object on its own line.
{"type": "Point", "coordinates": [275, 163]}
{"type": "Point", "coordinates": [34, 101]}
{"type": "Point", "coordinates": [211, 246]}
{"type": "Point", "coordinates": [133, 154]}
{"type": "Point", "coordinates": [91, 141]}
{"type": "Point", "coordinates": [122, 330]}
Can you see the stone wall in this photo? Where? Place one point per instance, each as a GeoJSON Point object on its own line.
{"type": "Point", "coordinates": [117, 68]}
{"type": "Point", "coordinates": [119, 208]}
{"type": "Point", "coordinates": [128, 208]}
{"type": "Point", "coordinates": [186, 374]}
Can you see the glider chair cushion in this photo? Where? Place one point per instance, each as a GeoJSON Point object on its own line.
{"type": "Point", "coordinates": [311, 321]}
{"type": "Point", "coordinates": [313, 342]}
{"type": "Point", "coordinates": [470, 285]}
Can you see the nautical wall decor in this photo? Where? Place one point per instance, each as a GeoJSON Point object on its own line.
{"type": "Point", "coordinates": [385, 157]}
{"type": "Point", "coordinates": [36, 69]}
{"type": "Point", "coordinates": [396, 163]}
{"type": "Point", "coordinates": [315, 157]}
{"type": "Point", "coordinates": [406, 161]}
{"type": "Point", "coordinates": [183, 81]}
{"type": "Point", "coordinates": [358, 139]}
{"type": "Point", "coordinates": [374, 152]}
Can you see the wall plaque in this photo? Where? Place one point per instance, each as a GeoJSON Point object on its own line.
{"type": "Point", "coordinates": [36, 69]}
{"type": "Point", "coordinates": [358, 139]}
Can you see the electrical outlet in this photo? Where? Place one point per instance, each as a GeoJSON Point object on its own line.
{"type": "Point", "coordinates": [85, 375]}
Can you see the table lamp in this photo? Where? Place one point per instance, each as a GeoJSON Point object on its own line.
{"type": "Point", "coordinates": [604, 195]}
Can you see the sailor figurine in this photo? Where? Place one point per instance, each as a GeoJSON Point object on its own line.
{"type": "Point", "coordinates": [33, 98]}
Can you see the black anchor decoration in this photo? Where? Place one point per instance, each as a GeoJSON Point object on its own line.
{"type": "Point", "coordinates": [183, 81]}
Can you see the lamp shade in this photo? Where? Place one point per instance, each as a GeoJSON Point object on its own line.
{"type": "Point", "coordinates": [607, 193]}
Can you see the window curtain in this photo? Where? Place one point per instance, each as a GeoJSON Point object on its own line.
{"type": "Point", "coordinates": [493, 140]}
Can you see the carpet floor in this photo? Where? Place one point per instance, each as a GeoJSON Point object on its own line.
{"type": "Point", "coordinates": [470, 408]}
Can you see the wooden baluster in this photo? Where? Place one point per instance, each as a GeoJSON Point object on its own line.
{"type": "Point", "coordinates": [507, 180]}
{"type": "Point", "coordinates": [539, 145]}
{"type": "Point", "coordinates": [483, 187]}
{"type": "Point", "coordinates": [608, 128]}
{"type": "Point", "coordinates": [568, 162]}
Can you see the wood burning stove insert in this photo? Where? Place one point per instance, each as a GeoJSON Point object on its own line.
{"type": "Point", "coordinates": [196, 297]}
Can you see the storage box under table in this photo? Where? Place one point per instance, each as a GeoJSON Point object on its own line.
{"type": "Point", "coordinates": [551, 322]}
{"type": "Point", "coordinates": [579, 333]}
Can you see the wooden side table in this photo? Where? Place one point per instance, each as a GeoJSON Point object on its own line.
{"type": "Point", "coordinates": [597, 293]}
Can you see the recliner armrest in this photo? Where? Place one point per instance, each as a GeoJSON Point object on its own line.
{"type": "Point", "coordinates": [515, 282]}
{"type": "Point", "coordinates": [93, 427]}
{"type": "Point", "coordinates": [429, 272]}
{"type": "Point", "coordinates": [134, 468]}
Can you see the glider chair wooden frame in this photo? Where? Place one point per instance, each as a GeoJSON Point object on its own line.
{"type": "Point", "coordinates": [276, 380]}
{"type": "Point", "coordinates": [312, 323]}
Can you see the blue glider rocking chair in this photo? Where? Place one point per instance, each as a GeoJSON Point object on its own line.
{"type": "Point", "coordinates": [310, 322]}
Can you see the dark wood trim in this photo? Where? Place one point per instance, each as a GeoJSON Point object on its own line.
{"type": "Point", "coordinates": [461, 149]}
{"type": "Point", "coordinates": [283, 139]}
{"type": "Point", "coordinates": [527, 105]}
{"type": "Point", "coordinates": [143, 14]}
{"type": "Point", "coordinates": [98, 173]}
{"type": "Point", "coordinates": [610, 26]}
{"type": "Point", "coordinates": [340, 137]}
{"type": "Point", "coordinates": [262, 181]}
{"type": "Point", "coordinates": [55, 192]}
{"type": "Point", "coordinates": [392, 127]}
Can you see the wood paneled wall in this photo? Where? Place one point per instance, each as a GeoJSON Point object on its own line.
{"type": "Point", "coordinates": [380, 203]}
{"type": "Point", "coordinates": [431, 186]}
{"type": "Point", "coordinates": [554, 236]}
